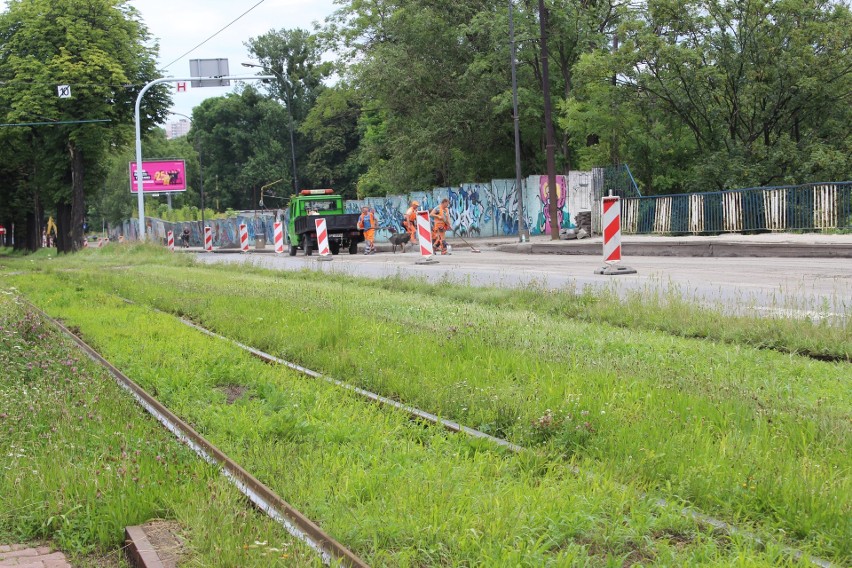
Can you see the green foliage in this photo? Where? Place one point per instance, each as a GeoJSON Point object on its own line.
{"type": "Point", "coordinates": [245, 146]}
{"type": "Point", "coordinates": [332, 126]}
{"type": "Point", "coordinates": [100, 49]}
{"type": "Point", "coordinates": [727, 93]}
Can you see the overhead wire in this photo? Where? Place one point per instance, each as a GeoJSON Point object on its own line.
{"type": "Point", "coordinates": [214, 35]}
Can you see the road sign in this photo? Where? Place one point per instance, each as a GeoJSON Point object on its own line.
{"type": "Point", "coordinates": [209, 72]}
{"type": "Point", "coordinates": [64, 91]}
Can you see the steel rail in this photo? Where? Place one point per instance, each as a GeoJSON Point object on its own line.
{"type": "Point", "coordinates": [263, 497]}
{"type": "Point", "coordinates": [661, 503]}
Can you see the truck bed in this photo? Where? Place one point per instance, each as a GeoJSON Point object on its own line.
{"type": "Point", "coordinates": [334, 223]}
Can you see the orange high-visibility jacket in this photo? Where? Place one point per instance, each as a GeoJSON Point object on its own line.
{"type": "Point", "coordinates": [367, 221]}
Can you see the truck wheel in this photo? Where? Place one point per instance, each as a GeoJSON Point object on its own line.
{"type": "Point", "coordinates": [308, 250]}
{"type": "Point", "coordinates": [293, 250]}
{"type": "Point", "coordinates": [353, 247]}
{"type": "Point", "coordinates": [334, 247]}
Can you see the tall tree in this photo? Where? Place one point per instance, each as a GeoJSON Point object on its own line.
{"type": "Point", "coordinates": [763, 87]}
{"type": "Point", "coordinates": [100, 50]}
{"type": "Point", "coordinates": [245, 146]}
{"type": "Point", "coordinates": [295, 58]}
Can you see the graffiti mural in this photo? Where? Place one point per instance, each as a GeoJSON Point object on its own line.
{"type": "Point", "coordinates": [467, 209]}
{"type": "Point", "coordinates": [542, 223]}
{"type": "Point", "coordinates": [476, 210]}
{"type": "Point", "coordinates": [501, 209]}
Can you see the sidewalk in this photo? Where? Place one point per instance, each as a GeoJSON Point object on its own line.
{"type": "Point", "coordinates": [25, 556]}
{"type": "Point", "coordinates": [783, 245]}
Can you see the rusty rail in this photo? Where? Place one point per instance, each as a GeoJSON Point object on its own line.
{"type": "Point", "coordinates": [263, 497]}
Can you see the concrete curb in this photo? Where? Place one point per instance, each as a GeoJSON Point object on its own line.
{"type": "Point", "coordinates": [139, 550]}
{"type": "Point", "coordinates": [688, 249]}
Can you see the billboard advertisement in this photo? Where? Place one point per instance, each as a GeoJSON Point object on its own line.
{"type": "Point", "coordinates": [159, 176]}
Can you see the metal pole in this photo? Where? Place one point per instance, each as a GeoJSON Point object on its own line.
{"type": "Point", "coordinates": [201, 183]}
{"type": "Point", "coordinates": [523, 231]}
{"type": "Point", "coordinates": [139, 190]}
{"type": "Point", "coordinates": [292, 140]}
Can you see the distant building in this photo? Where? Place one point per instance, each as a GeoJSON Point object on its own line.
{"type": "Point", "coordinates": [177, 129]}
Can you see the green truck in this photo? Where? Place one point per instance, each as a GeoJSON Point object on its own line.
{"type": "Point", "coordinates": [312, 204]}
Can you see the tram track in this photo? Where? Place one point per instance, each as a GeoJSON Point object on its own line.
{"type": "Point", "coordinates": [280, 510]}
{"type": "Point", "coordinates": [718, 525]}
{"type": "Point", "coordinates": [293, 521]}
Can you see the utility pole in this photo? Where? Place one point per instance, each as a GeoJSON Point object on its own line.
{"type": "Point", "coordinates": [140, 192]}
{"type": "Point", "coordinates": [523, 230]}
{"type": "Point", "coordinates": [550, 147]}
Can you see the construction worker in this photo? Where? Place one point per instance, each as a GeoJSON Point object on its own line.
{"type": "Point", "coordinates": [441, 224]}
{"type": "Point", "coordinates": [410, 223]}
{"type": "Point", "coordinates": [367, 223]}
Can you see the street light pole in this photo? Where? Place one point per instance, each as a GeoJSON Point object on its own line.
{"type": "Point", "coordinates": [139, 177]}
{"type": "Point", "coordinates": [523, 232]}
{"type": "Point", "coordinates": [286, 82]}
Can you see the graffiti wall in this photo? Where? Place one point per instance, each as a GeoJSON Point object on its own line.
{"type": "Point", "coordinates": [476, 210]}
{"type": "Point", "coordinates": [226, 232]}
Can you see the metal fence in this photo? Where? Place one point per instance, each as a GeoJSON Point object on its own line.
{"type": "Point", "coordinates": [815, 206]}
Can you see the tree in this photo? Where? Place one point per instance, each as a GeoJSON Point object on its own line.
{"type": "Point", "coordinates": [245, 146]}
{"type": "Point", "coordinates": [295, 58]}
{"type": "Point", "coordinates": [762, 86]}
{"type": "Point", "coordinates": [333, 129]}
{"type": "Point", "coordinates": [427, 92]}
{"type": "Point", "coordinates": [98, 48]}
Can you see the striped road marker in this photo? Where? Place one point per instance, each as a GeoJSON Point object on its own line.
{"type": "Point", "coordinates": [278, 235]}
{"type": "Point", "coordinates": [244, 237]}
{"type": "Point", "coordinates": [322, 240]}
{"type": "Point", "coordinates": [208, 239]}
{"type": "Point", "coordinates": [170, 238]}
{"type": "Point", "coordinates": [611, 223]}
{"type": "Point", "coordinates": [424, 237]}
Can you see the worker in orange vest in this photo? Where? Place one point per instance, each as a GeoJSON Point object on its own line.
{"type": "Point", "coordinates": [441, 219]}
{"type": "Point", "coordinates": [410, 223]}
{"type": "Point", "coordinates": [367, 223]}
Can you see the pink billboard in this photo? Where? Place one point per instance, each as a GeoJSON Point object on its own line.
{"type": "Point", "coordinates": [159, 176]}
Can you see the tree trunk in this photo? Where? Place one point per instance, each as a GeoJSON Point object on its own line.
{"type": "Point", "coordinates": [78, 205]}
{"type": "Point", "coordinates": [63, 228]}
{"type": "Point", "coordinates": [550, 149]}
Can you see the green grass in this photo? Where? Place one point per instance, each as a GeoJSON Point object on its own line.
{"type": "Point", "coordinates": [755, 436]}
{"type": "Point", "coordinates": [81, 461]}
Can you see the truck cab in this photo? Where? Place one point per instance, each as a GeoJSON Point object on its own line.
{"type": "Point", "coordinates": [311, 204]}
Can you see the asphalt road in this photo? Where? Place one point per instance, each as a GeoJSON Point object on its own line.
{"type": "Point", "coordinates": [818, 288]}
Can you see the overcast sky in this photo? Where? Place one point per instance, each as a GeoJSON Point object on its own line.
{"type": "Point", "coordinates": [180, 25]}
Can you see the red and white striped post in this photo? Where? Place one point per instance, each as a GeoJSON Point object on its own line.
{"type": "Point", "coordinates": [208, 239]}
{"type": "Point", "coordinates": [244, 237]}
{"type": "Point", "coordinates": [611, 223]}
{"type": "Point", "coordinates": [278, 232]}
{"type": "Point", "coordinates": [424, 238]}
{"type": "Point", "coordinates": [322, 239]}
{"type": "Point", "coordinates": [170, 239]}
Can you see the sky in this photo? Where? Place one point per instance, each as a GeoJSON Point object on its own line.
{"type": "Point", "coordinates": [181, 25]}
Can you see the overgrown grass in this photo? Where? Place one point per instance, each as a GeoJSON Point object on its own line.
{"type": "Point", "coordinates": [81, 461]}
{"type": "Point", "coordinates": [398, 492]}
{"type": "Point", "coordinates": [755, 436]}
